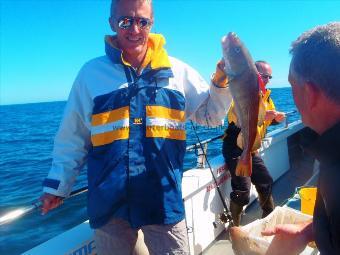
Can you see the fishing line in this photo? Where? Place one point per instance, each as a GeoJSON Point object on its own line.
{"type": "Point", "coordinates": [225, 217]}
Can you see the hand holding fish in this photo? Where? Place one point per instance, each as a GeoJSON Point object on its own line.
{"type": "Point", "coordinates": [274, 115]}
{"type": "Point", "coordinates": [219, 78]}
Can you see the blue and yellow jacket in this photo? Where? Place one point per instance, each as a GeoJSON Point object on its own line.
{"type": "Point", "coordinates": [129, 127]}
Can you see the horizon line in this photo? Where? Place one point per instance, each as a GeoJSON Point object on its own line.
{"type": "Point", "coordinates": [65, 100]}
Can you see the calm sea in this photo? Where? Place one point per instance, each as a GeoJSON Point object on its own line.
{"type": "Point", "coordinates": [27, 133]}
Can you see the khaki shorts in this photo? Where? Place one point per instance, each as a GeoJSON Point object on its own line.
{"type": "Point", "coordinates": [118, 238]}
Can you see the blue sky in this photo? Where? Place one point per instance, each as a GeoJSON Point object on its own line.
{"type": "Point", "coordinates": [44, 43]}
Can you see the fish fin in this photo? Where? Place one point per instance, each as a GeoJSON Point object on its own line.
{"type": "Point", "coordinates": [262, 111]}
{"type": "Point", "coordinates": [257, 142]}
{"type": "Point", "coordinates": [244, 165]}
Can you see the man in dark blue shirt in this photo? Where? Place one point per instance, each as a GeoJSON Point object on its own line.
{"type": "Point", "coordinates": [315, 78]}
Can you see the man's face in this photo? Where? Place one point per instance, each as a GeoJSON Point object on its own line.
{"type": "Point", "coordinates": [299, 95]}
{"type": "Point", "coordinates": [132, 40]}
{"type": "Point", "coordinates": [265, 71]}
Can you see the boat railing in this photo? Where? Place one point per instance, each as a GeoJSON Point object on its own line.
{"type": "Point", "coordinates": [193, 147]}
{"type": "Point", "coordinates": [286, 121]}
{"type": "Point", "coordinates": [201, 148]}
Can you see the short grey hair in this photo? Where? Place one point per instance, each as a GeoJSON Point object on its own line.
{"type": "Point", "coordinates": [115, 2]}
{"type": "Point", "coordinates": [316, 58]}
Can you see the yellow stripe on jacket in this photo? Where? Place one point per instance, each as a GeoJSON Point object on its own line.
{"type": "Point", "coordinates": [109, 137]}
{"type": "Point", "coordinates": [111, 116]}
{"type": "Point", "coordinates": [110, 126]}
{"type": "Point", "coordinates": [164, 122]}
{"type": "Point", "coordinates": [164, 112]}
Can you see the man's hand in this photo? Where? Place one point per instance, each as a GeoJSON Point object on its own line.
{"type": "Point", "coordinates": [219, 78]}
{"type": "Point", "coordinates": [49, 202]}
{"type": "Point", "coordinates": [274, 115]}
{"type": "Point", "coordinates": [280, 116]}
{"type": "Point", "coordinates": [290, 239]}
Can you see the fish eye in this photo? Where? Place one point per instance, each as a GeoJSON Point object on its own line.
{"type": "Point", "coordinates": [237, 49]}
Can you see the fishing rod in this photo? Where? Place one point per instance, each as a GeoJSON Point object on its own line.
{"type": "Point", "coordinates": [225, 217]}
{"type": "Point", "coordinates": [290, 112]}
{"type": "Point", "coordinates": [24, 210]}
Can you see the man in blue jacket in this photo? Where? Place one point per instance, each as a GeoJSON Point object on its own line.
{"type": "Point", "coordinates": [125, 117]}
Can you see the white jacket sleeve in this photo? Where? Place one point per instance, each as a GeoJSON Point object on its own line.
{"type": "Point", "coordinates": [71, 143]}
{"type": "Point", "coordinates": [205, 104]}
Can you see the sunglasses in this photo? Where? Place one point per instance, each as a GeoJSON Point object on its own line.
{"type": "Point", "coordinates": [126, 22]}
{"type": "Point", "coordinates": [266, 76]}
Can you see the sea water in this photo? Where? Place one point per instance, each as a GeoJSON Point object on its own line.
{"type": "Point", "coordinates": [26, 140]}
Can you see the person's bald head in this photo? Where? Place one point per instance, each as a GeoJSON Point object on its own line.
{"type": "Point", "coordinates": [264, 70]}
{"type": "Point", "coordinates": [114, 4]}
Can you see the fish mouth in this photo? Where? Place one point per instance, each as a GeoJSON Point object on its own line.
{"type": "Point", "coordinates": [227, 42]}
{"type": "Point", "coordinates": [232, 36]}
{"type": "Point", "coordinates": [231, 40]}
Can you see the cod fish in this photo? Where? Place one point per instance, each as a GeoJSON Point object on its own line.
{"type": "Point", "coordinates": [244, 245]}
{"type": "Point", "coordinates": [244, 86]}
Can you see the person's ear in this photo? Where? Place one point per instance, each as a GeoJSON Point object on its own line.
{"type": "Point", "coordinates": [152, 21]}
{"type": "Point", "coordinates": [312, 95]}
{"type": "Point", "coordinates": [112, 24]}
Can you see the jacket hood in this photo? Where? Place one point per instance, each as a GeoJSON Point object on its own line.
{"type": "Point", "coordinates": [156, 54]}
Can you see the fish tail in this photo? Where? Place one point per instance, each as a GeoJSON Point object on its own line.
{"type": "Point", "coordinates": [244, 166]}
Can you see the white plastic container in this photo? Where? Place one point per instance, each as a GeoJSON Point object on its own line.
{"type": "Point", "coordinates": [281, 215]}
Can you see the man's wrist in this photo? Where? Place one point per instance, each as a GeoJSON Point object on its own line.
{"type": "Point", "coordinates": [307, 232]}
{"type": "Point", "coordinates": [219, 79]}
{"type": "Point", "coordinates": [217, 85]}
